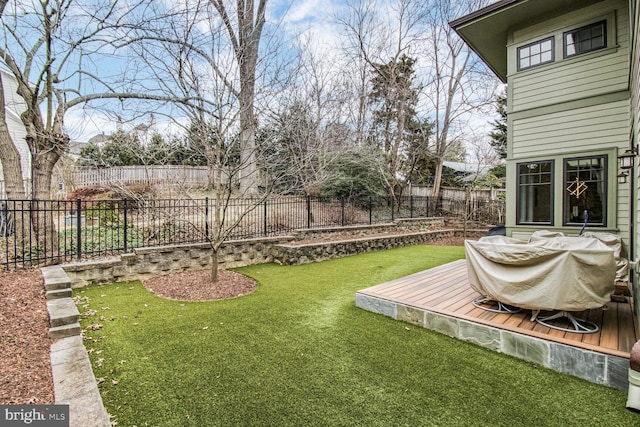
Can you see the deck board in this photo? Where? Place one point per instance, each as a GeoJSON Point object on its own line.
{"type": "Point", "coordinates": [446, 290]}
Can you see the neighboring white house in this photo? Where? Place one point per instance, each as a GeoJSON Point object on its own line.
{"type": "Point", "coordinates": [468, 172]}
{"type": "Point", "coordinates": [14, 106]}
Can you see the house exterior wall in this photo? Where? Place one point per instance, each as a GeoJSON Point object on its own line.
{"type": "Point", "coordinates": [14, 106]}
{"type": "Point", "coordinates": [571, 107]}
{"type": "Point", "coordinates": [582, 76]}
{"type": "Point", "coordinates": [635, 134]}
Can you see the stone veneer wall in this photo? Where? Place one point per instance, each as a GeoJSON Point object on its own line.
{"type": "Point", "coordinates": [143, 263]}
{"type": "Point", "coordinates": [590, 365]}
{"type": "Point", "coordinates": [293, 254]}
{"type": "Point", "coordinates": [399, 226]}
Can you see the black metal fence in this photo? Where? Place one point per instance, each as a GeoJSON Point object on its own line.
{"type": "Point", "coordinates": [54, 231]}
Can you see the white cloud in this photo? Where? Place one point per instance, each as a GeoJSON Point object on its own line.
{"type": "Point", "coordinates": [307, 10]}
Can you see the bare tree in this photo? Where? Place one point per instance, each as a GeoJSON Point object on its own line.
{"type": "Point", "coordinates": [62, 54]}
{"type": "Point", "coordinates": [385, 36]}
{"type": "Point", "coordinates": [458, 84]}
{"type": "Point", "coordinates": [47, 47]}
{"type": "Point", "coordinates": [244, 22]}
{"type": "Point", "coordinates": [210, 73]}
{"type": "Point", "coordinates": [307, 123]}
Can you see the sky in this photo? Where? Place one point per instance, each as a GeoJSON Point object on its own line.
{"type": "Point", "coordinates": [313, 18]}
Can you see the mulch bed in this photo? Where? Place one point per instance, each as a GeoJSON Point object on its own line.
{"type": "Point", "coordinates": [25, 367]}
{"type": "Point", "coordinates": [197, 286]}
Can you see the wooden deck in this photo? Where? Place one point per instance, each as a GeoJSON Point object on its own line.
{"type": "Point", "coordinates": [444, 291]}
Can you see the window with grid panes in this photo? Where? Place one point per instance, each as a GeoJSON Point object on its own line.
{"type": "Point", "coordinates": [591, 202]}
{"type": "Point", "coordinates": [535, 193]}
{"type": "Point", "coordinates": [585, 39]}
{"type": "Point", "coordinates": [537, 53]}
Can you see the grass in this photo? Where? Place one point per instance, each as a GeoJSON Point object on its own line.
{"type": "Point", "coordinates": [297, 352]}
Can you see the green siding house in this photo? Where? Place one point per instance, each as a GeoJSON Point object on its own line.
{"type": "Point", "coordinates": [572, 75]}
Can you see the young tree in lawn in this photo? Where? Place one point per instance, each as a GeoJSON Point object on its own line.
{"type": "Point", "coordinates": [210, 72]}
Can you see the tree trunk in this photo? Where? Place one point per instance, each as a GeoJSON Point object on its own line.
{"type": "Point", "coordinates": [437, 179]}
{"type": "Point", "coordinates": [248, 169]}
{"type": "Point", "coordinates": [214, 266]}
{"type": "Point", "coordinates": [42, 212]}
{"type": "Point", "coordinates": [41, 174]}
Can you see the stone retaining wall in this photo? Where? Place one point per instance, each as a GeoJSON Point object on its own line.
{"type": "Point", "coordinates": [143, 263]}
{"type": "Point", "coordinates": [399, 226]}
{"type": "Point", "coordinates": [294, 254]}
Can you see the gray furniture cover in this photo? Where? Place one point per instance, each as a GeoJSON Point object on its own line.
{"type": "Point", "coordinates": [547, 273]}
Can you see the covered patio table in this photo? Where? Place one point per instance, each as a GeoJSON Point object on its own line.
{"type": "Point", "coordinates": [558, 273]}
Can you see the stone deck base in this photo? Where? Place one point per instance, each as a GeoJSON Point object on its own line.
{"type": "Point", "coordinates": [592, 366]}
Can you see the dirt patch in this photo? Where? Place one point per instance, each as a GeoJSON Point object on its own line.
{"type": "Point", "coordinates": [25, 367]}
{"type": "Point", "coordinates": [197, 286]}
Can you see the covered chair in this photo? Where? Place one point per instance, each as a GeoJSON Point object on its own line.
{"type": "Point", "coordinates": [550, 273]}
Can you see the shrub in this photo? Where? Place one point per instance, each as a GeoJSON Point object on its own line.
{"type": "Point", "coordinates": [91, 192]}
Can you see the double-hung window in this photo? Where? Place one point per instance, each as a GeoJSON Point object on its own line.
{"type": "Point", "coordinates": [585, 39]}
{"type": "Point", "coordinates": [535, 193]}
{"type": "Point", "coordinates": [536, 53]}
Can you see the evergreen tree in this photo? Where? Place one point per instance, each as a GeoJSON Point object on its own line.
{"type": "Point", "coordinates": [394, 97]}
{"type": "Point", "coordinates": [499, 133]}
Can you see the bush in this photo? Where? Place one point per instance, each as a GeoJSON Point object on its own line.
{"type": "Point", "coordinates": [104, 212]}
{"type": "Point", "coordinates": [91, 192]}
{"type": "Point", "coordinates": [356, 177]}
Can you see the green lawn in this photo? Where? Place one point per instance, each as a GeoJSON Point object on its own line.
{"type": "Point", "coordinates": [297, 352]}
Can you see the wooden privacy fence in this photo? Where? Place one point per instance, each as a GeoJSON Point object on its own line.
{"type": "Point", "coordinates": [191, 175]}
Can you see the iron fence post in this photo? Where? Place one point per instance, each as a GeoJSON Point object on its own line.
{"type": "Point", "coordinates": [265, 218]}
{"type": "Point", "coordinates": [79, 228]}
{"type": "Point", "coordinates": [342, 206]}
{"type": "Point", "coordinates": [308, 211]}
{"type": "Point", "coordinates": [6, 230]}
{"type": "Point", "coordinates": [206, 217]}
{"type": "Point", "coordinates": [411, 206]}
{"type": "Point", "coordinates": [124, 205]}
{"type": "Point", "coordinates": [370, 211]}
